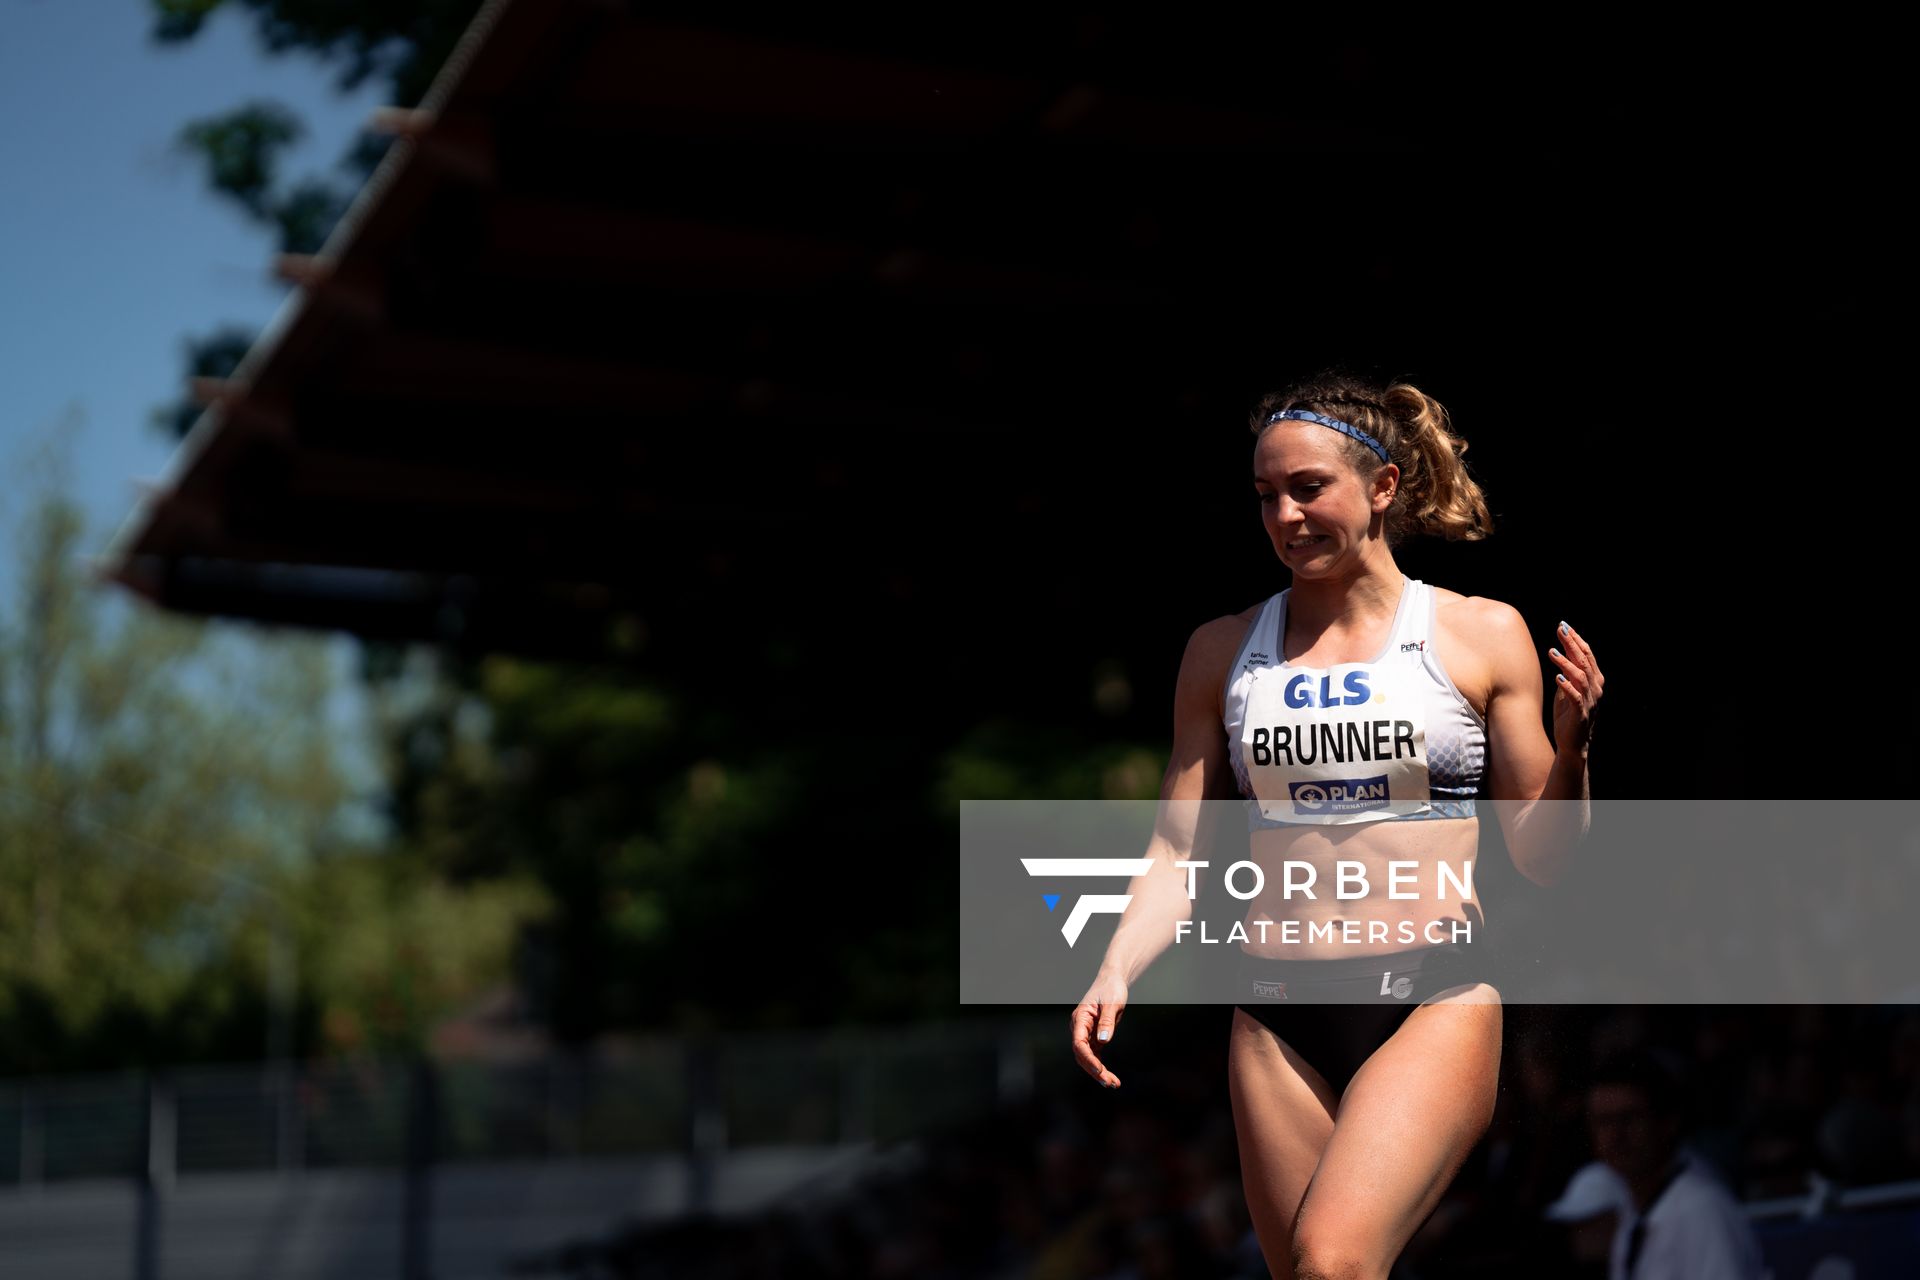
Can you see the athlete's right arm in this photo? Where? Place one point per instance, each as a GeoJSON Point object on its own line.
{"type": "Point", "coordinates": [1197, 770]}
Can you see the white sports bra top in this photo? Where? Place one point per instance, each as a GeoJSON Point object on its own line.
{"type": "Point", "coordinates": [1357, 741]}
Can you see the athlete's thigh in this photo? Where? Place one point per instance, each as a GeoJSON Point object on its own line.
{"type": "Point", "coordinates": [1404, 1127]}
{"type": "Point", "coordinates": [1283, 1116]}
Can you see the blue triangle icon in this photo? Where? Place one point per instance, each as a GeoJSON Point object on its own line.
{"type": "Point", "coordinates": [1051, 899]}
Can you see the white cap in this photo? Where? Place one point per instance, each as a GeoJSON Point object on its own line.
{"type": "Point", "coordinates": [1595, 1189]}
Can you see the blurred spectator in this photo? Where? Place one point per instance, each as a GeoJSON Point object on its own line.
{"type": "Point", "coordinates": [1860, 1138]}
{"type": "Point", "coordinates": [1591, 1209]}
{"type": "Point", "coordinates": [1681, 1222]}
{"type": "Point", "coordinates": [1082, 1184]}
{"type": "Point", "coordinates": [1776, 1153]}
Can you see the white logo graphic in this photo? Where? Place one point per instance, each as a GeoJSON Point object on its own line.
{"type": "Point", "coordinates": [1093, 903]}
{"type": "Point", "coordinates": [1398, 988]}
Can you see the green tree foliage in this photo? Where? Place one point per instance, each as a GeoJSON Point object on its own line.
{"type": "Point", "coordinates": [402, 41]}
{"type": "Point", "coordinates": [213, 355]}
{"type": "Point", "coordinates": [242, 154]}
{"type": "Point", "coordinates": [607, 789]}
{"type": "Point", "coordinates": [712, 855]}
{"type": "Point", "coordinates": [242, 150]}
{"type": "Point", "coordinates": [182, 845]}
{"type": "Point", "coordinates": [701, 872]}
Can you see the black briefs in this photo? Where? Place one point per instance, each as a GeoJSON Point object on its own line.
{"type": "Point", "coordinates": [1336, 1012]}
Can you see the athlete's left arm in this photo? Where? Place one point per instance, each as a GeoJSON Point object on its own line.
{"type": "Point", "coordinates": [1539, 788]}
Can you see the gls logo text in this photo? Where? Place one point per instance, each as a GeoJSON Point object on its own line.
{"type": "Point", "coordinates": [1301, 691]}
{"type": "Point", "coordinates": [1093, 903]}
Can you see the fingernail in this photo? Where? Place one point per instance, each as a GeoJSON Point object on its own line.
{"type": "Point", "coordinates": [1563, 628]}
{"type": "Point", "coordinates": [1555, 652]}
{"type": "Point", "coordinates": [1105, 1034]}
{"type": "Point", "coordinates": [1560, 676]}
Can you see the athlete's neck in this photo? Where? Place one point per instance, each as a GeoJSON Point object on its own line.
{"type": "Point", "coordinates": [1345, 606]}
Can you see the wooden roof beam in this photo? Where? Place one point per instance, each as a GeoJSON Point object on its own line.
{"type": "Point", "coordinates": [255, 412]}
{"type": "Point", "coordinates": [460, 147]}
{"type": "Point", "coordinates": [424, 370]}
{"type": "Point", "coordinates": [565, 240]}
{"type": "Point", "coordinates": [352, 293]}
{"type": "Point", "coordinates": [417, 368]}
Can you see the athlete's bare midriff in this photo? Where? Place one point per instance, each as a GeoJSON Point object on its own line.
{"type": "Point", "coordinates": [1377, 923]}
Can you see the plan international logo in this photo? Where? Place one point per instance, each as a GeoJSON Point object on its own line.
{"type": "Point", "coordinates": [1091, 904]}
{"type": "Point", "coordinates": [1339, 795]}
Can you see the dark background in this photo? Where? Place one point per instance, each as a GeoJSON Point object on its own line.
{"type": "Point", "coordinates": [871, 395]}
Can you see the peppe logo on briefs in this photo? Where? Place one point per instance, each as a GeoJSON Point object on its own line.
{"type": "Point", "coordinates": [1339, 795]}
{"type": "Point", "coordinates": [1270, 990]}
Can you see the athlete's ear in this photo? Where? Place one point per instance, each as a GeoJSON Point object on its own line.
{"type": "Point", "coordinates": [1386, 482]}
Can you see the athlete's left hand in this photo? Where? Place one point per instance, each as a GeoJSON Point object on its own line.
{"type": "Point", "coordinates": [1576, 689]}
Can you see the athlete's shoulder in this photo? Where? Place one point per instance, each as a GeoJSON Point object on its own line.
{"type": "Point", "coordinates": [1492, 638]}
{"type": "Point", "coordinates": [1223, 635]}
{"type": "Point", "coordinates": [1481, 620]}
{"type": "Point", "coordinates": [1214, 643]}
{"type": "Point", "coordinates": [1247, 616]}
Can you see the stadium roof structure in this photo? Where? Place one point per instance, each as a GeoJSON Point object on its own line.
{"type": "Point", "coordinates": [646, 325]}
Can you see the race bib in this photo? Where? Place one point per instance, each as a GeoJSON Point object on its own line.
{"type": "Point", "coordinates": [1334, 745]}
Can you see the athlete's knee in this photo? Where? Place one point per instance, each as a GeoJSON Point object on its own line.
{"type": "Point", "coordinates": [1346, 1268]}
{"type": "Point", "coordinates": [1322, 1251]}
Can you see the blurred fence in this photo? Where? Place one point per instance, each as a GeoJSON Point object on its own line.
{"type": "Point", "coordinates": [377, 1168]}
{"type": "Point", "coordinates": [206, 1170]}
{"type": "Point", "coordinates": [663, 1095]}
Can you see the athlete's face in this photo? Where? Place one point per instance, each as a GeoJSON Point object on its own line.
{"type": "Point", "coordinates": [1317, 509]}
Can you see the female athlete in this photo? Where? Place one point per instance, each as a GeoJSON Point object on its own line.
{"type": "Point", "coordinates": [1361, 713]}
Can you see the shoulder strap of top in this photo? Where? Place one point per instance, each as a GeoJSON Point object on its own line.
{"type": "Point", "coordinates": [1416, 620]}
{"type": "Point", "coordinates": [1260, 638]}
{"type": "Point", "coordinates": [1273, 626]}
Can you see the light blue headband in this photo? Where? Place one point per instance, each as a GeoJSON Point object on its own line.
{"type": "Point", "coordinates": [1344, 428]}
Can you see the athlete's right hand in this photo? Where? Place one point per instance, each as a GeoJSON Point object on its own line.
{"type": "Point", "coordinates": [1094, 1021]}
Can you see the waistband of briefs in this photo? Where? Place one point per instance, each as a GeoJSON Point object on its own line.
{"type": "Point", "coordinates": [1345, 969]}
